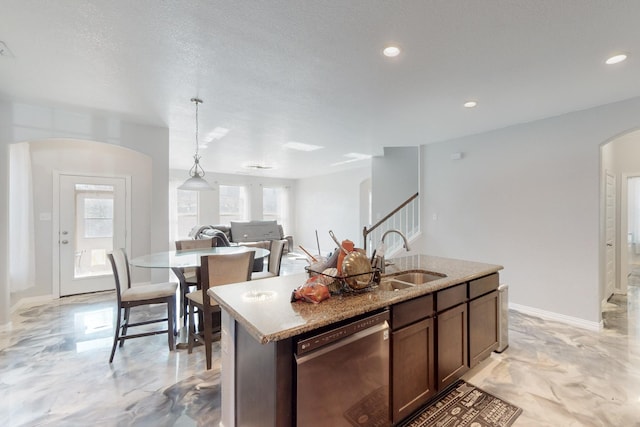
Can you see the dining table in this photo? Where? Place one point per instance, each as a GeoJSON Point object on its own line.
{"type": "Point", "coordinates": [177, 260]}
{"type": "Point", "coordinates": [190, 257]}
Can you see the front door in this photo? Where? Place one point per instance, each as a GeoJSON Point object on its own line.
{"type": "Point", "coordinates": [92, 221]}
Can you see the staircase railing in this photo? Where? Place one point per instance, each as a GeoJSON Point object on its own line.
{"type": "Point", "coordinates": [406, 218]}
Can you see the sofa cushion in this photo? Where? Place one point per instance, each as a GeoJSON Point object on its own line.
{"type": "Point", "coordinates": [254, 231]}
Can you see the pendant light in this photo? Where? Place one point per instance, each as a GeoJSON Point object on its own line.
{"type": "Point", "coordinates": [196, 182]}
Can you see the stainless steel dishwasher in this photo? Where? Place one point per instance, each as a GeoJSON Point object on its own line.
{"type": "Point", "coordinates": [343, 375]}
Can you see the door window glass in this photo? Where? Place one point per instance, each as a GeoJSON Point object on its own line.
{"type": "Point", "coordinates": [94, 229]}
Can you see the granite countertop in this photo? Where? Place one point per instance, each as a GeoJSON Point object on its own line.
{"type": "Point", "coordinates": [264, 309]}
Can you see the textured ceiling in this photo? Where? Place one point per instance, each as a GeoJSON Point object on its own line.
{"type": "Point", "coordinates": [312, 71]}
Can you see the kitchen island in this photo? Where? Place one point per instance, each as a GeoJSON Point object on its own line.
{"type": "Point", "coordinates": [261, 327]}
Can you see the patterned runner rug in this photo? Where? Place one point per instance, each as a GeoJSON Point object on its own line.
{"type": "Point", "coordinates": [467, 405]}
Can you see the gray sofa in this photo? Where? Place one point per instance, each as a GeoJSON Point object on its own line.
{"type": "Point", "coordinates": [246, 233]}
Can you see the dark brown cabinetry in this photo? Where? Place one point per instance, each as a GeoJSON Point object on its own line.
{"type": "Point", "coordinates": [483, 318]}
{"type": "Point", "coordinates": [452, 345]}
{"type": "Point", "coordinates": [413, 366]}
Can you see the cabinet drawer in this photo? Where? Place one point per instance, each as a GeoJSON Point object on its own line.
{"type": "Point", "coordinates": [411, 311]}
{"type": "Point", "coordinates": [483, 285]}
{"type": "Point", "coordinates": [450, 297]}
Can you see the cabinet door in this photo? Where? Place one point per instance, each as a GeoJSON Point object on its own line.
{"type": "Point", "coordinates": [483, 327]}
{"type": "Point", "coordinates": [413, 368]}
{"type": "Point", "coordinates": [452, 345]}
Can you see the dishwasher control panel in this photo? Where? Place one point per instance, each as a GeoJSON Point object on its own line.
{"type": "Point", "coordinates": [320, 340]}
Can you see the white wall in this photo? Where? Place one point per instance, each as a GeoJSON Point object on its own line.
{"type": "Point", "coordinates": [528, 197]}
{"type": "Point", "coordinates": [28, 122]}
{"type": "Point", "coordinates": [329, 202]}
{"type": "Point", "coordinates": [394, 178]}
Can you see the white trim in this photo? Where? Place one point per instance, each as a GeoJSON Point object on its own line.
{"type": "Point", "coordinates": [55, 233]}
{"type": "Point", "coordinates": [617, 245]}
{"type": "Point", "coordinates": [549, 315]}
{"type": "Point", "coordinates": [621, 286]}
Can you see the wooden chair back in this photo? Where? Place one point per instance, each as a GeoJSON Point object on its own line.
{"type": "Point", "coordinates": [275, 256]}
{"type": "Point", "coordinates": [121, 273]}
{"type": "Point", "coordinates": [224, 269]}
{"type": "Point", "coordinates": [183, 245]}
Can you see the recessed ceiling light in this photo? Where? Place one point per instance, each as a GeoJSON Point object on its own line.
{"type": "Point", "coordinates": [391, 51]}
{"type": "Point", "coordinates": [616, 59]}
{"type": "Point", "coordinates": [300, 146]}
{"type": "Point", "coordinates": [470, 104]}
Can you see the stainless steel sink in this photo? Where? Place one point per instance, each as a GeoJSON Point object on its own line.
{"type": "Point", "coordinates": [393, 285]}
{"type": "Point", "coordinates": [417, 277]}
{"type": "Point", "coordinates": [408, 280]}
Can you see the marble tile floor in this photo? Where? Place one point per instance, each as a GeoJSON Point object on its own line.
{"type": "Point", "coordinates": [54, 371]}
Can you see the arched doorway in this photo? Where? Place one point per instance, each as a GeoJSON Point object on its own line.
{"type": "Point", "coordinates": [56, 157]}
{"type": "Point", "coordinates": [620, 163]}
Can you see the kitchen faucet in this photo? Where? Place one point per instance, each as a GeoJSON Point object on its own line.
{"type": "Point", "coordinates": [380, 256]}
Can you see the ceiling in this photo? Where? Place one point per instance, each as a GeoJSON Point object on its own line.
{"type": "Point", "coordinates": [312, 71]}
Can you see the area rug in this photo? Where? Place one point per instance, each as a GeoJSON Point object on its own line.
{"type": "Point", "coordinates": [467, 405]}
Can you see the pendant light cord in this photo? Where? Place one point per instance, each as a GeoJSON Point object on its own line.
{"type": "Point", "coordinates": [197, 101]}
{"type": "Point", "coordinates": [197, 169]}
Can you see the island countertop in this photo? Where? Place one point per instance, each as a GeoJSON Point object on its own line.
{"type": "Point", "coordinates": [264, 307]}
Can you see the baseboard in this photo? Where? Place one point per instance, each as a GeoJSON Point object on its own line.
{"type": "Point", "coordinates": [549, 315]}
{"type": "Point", "coordinates": [28, 301]}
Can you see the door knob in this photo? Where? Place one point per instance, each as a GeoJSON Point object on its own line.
{"type": "Point", "coordinates": [65, 232]}
{"type": "Point", "coordinates": [609, 244]}
{"type": "Point", "coordinates": [64, 242]}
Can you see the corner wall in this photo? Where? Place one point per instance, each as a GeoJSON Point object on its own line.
{"type": "Point", "coordinates": [528, 197]}
{"type": "Point", "coordinates": [329, 202]}
{"type": "Point", "coordinates": [395, 177]}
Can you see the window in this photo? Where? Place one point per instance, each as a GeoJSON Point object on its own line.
{"type": "Point", "coordinates": [94, 206]}
{"type": "Point", "coordinates": [98, 218]}
{"type": "Point", "coordinates": [275, 205]}
{"type": "Point", "coordinates": [94, 229]}
{"type": "Point", "coordinates": [187, 210]}
{"type": "Point", "coordinates": [233, 203]}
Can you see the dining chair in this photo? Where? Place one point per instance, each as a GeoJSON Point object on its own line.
{"type": "Point", "coordinates": [189, 276]}
{"type": "Point", "coordinates": [132, 296]}
{"type": "Point", "coordinates": [218, 269]}
{"type": "Point", "coordinates": [276, 249]}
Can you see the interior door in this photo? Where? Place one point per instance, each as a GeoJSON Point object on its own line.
{"type": "Point", "coordinates": [610, 233]}
{"type": "Point", "coordinates": [92, 221]}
